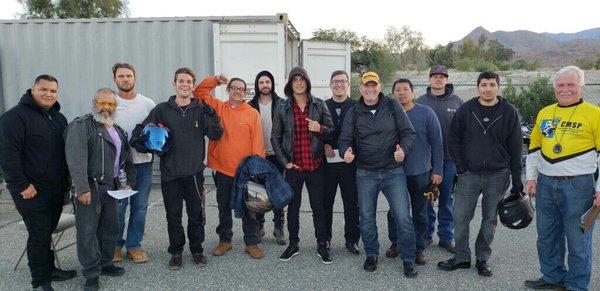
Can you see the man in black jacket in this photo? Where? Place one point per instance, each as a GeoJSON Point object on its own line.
{"type": "Point", "coordinates": [32, 156]}
{"type": "Point", "coordinates": [300, 125]}
{"type": "Point", "coordinates": [379, 134]}
{"type": "Point", "coordinates": [265, 100]}
{"type": "Point", "coordinates": [486, 145]}
{"type": "Point", "coordinates": [97, 154]}
{"type": "Point", "coordinates": [336, 171]}
{"type": "Point", "coordinates": [182, 167]}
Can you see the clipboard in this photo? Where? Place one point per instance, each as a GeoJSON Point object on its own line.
{"type": "Point", "coordinates": [588, 218]}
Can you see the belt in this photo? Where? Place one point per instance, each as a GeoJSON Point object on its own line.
{"type": "Point", "coordinates": [566, 177]}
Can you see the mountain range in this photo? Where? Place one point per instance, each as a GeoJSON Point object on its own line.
{"type": "Point", "coordinates": [550, 49]}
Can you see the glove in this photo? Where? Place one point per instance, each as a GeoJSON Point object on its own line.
{"type": "Point", "coordinates": [166, 147]}
{"type": "Point", "coordinates": [517, 186]}
{"type": "Point", "coordinates": [431, 192]}
{"type": "Point", "coordinates": [207, 110]}
{"type": "Point", "coordinates": [139, 144]}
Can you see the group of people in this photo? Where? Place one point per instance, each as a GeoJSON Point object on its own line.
{"type": "Point", "coordinates": [413, 150]}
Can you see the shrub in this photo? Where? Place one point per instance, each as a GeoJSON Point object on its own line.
{"type": "Point", "coordinates": [531, 99]}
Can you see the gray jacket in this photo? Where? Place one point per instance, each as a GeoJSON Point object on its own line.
{"type": "Point", "coordinates": [91, 154]}
{"type": "Point", "coordinates": [282, 135]}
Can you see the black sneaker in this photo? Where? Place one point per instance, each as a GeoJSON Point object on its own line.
{"type": "Point", "coordinates": [409, 270]}
{"type": "Point", "coordinates": [44, 287]}
{"type": "Point", "coordinates": [112, 271]}
{"type": "Point", "coordinates": [541, 284]}
{"type": "Point", "coordinates": [323, 253]}
{"type": "Point", "coordinates": [291, 251]}
{"type": "Point", "coordinates": [482, 268]}
{"type": "Point", "coordinates": [62, 275]}
{"type": "Point", "coordinates": [452, 264]}
{"type": "Point", "coordinates": [175, 262]}
{"type": "Point", "coordinates": [370, 264]}
{"type": "Point", "coordinates": [91, 285]}
{"type": "Point", "coordinates": [352, 247]}
{"type": "Point", "coordinates": [199, 260]}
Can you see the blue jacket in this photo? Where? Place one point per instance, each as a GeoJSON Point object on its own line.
{"type": "Point", "coordinates": [279, 191]}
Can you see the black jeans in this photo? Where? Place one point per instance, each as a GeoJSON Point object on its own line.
{"type": "Point", "coordinates": [174, 193]}
{"type": "Point", "coordinates": [315, 186]}
{"type": "Point", "coordinates": [40, 214]}
{"type": "Point", "coordinates": [97, 230]}
{"type": "Point", "coordinates": [278, 218]}
{"type": "Point", "coordinates": [344, 175]}
{"type": "Point", "coordinates": [250, 224]}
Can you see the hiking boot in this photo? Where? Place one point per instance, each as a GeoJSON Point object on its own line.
{"type": "Point", "coordinates": [370, 264]}
{"type": "Point", "coordinates": [175, 262]}
{"type": "Point", "coordinates": [199, 260]}
{"type": "Point", "coordinates": [420, 259]}
{"type": "Point", "coordinates": [112, 271]}
{"type": "Point", "coordinates": [137, 255]}
{"type": "Point", "coordinates": [118, 255]}
{"type": "Point", "coordinates": [447, 246]}
{"type": "Point", "coordinates": [221, 249]}
{"type": "Point", "coordinates": [409, 270]}
{"type": "Point", "coordinates": [279, 236]}
{"type": "Point", "coordinates": [254, 251]}
{"type": "Point", "coordinates": [393, 251]}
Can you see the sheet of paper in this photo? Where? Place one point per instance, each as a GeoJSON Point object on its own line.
{"type": "Point", "coordinates": [120, 194]}
{"type": "Point", "coordinates": [336, 158]}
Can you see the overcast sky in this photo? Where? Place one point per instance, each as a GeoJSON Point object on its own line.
{"type": "Point", "coordinates": [439, 21]}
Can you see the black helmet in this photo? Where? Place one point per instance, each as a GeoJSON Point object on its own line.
{"type": "Point", "coordinates": [515, 211]}
{"type": "Point", "coordinates": [256, 198]}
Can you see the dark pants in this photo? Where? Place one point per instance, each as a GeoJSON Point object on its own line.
{"type": "Point", "coordinates": [315, 186]}
{"type": "Point", "coordinates": [416, 185]}
{"type": "Point", "coordinates": [40, 214]}
{"type": "Point", "coordinates": [97, 230]}
{"type": "Point", "coordinates": [250, 224]}
{"type": "Point", "coordinates": [174, 193]}
{"type": "Point", "coordinates": [278, 219]}
{"type": "Point", "coordinates": [468, 188]}
{"type": "Point", "coordinates": [344, 175]}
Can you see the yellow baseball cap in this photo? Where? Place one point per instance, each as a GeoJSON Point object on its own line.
{"type": "Point", "coordinates": [370, 77]}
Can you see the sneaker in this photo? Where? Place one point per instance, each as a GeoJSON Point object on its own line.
{"type": "Point", "coordinates": [447, 246]}
{"type": "Point", "coordinates": [175, 262]}
{"type": "Point", "coordinates": [199, 260]}
{"type": "Point", "coordinates": [420, 259]}
{"type": "Point", "coordinates": [482, 268]}
{"type": "Point", "coordinates": [541, 284]}
{"type": "Point", "coordinates": [279, 236]}
{"type": "Point", "coordinates": [254, 251]}
{"type": "Point", "coordinates": [370, 264]}
{"type": "Point", "coordinates": [44, 287]}
{"type": "Point", "coordinates": [58, 275]}
{"type": "Point", "coordinates": [92, 284]}
{"type": "Point", "coordinates": [118, 255]}
{"type": "Point", "coordinates": [112, 271]}
{"type": "Point", "coordinates": [323, 253]}
{"type": "Point", "coordinates": [352, 247]}
{"type": "Point", "coordinates": [409, 270]}
{"type": "Point", "coordinates": [393, 251]}
{"type": "Point", "coordinates": [137, 255]}
{"type": "Point", "coordinates": [289, 253]}
{"type": "Point", "coordinates": [221, 249]}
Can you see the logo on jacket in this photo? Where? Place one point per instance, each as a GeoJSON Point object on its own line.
{"type": "Point", "coordinates": [548, 126]}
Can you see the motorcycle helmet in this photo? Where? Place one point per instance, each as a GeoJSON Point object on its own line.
{"type": "Point", "coordinates": [515, 211]}
{"type": "Point", "coordinates": [256, 198]}
{"type": "Point", "coordinates": [158, 138]}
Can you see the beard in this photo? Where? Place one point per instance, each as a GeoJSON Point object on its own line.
{"type": "Point", "coordinates": [125, 89]}
{"type": "Point", "coordinates": [265, 91]}
{"type": "Point", "coordinates": [106, 120]}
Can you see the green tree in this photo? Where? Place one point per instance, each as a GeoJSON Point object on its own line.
{"type": "Point", "coordinates": [405, 42]}
{"type": "Point", "coordinates": [74, 8]}
{"type": "Point", "coordinates": [467, 49]}
{"type": "Point", "coordinates": [442, 55]}
{"type": "Point", "coordinates": [332, 34]}
{"type": "Point", "coordinates": [531, 99]}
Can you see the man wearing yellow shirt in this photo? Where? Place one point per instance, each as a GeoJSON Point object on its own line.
{"type": "Point", "coordinates": [562, 159]}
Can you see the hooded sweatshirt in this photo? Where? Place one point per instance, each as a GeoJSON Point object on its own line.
{"type": "Point", "coordinates": [266, 117]}
{"type": "Point", "coordinates": [444, 106]}
{"type": "Point", "coordinates": [243, 134]}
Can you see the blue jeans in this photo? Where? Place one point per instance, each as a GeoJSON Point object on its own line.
{"type": "Point", "coordinates": [444, 215]}
{"type": "Point", "coordinates": [138, 209]}
{"type": "Point", "coordinates": [393, 185]}
{"type": "Point", "coordinates": [560, 205]}
{"type": "Point", "coordinates": [416, 187]}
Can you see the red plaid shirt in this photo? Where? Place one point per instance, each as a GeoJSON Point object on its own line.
{"type": "Point", "coordinates": [303, 157]}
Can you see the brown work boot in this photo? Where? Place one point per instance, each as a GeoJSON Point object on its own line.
{"type": "Point", "coordinates": [393, 251]}
{"type": "Point", "coordinates": [137, 255]}
{"type": "Point", "coordinates": [420, 259]}
{"type": "Point", "coordinates": [118, 255]}
{"type": "Point", "coordinates": [254, 251]}
{"type": "Point", "coordinates": [221, 249]}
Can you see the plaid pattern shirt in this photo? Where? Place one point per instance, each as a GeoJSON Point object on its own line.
{"type": "Point", "coordinates": [303, 157]}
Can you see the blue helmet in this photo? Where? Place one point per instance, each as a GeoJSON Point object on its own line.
{"type": "Point", "coordinates": [158, 138]}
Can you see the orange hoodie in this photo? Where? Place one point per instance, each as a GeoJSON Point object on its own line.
{"type": "Point", "coordinates": [242, 137]}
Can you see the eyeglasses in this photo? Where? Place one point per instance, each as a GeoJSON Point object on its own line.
{"type": "Point", "coordinates": [339, 82]}
{"type": "Point", "coordinates": [237, 89]}
{"type": "Point", "coordinates": [108, 104]}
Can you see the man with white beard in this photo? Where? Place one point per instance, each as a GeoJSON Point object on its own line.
{"type": "Point", "coordinates": [97, 152]}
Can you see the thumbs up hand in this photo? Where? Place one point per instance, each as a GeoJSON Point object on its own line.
{"type": "Point", "coordinates": [399, 154]}
{"type": "Point", "coordinates": [349, 156]}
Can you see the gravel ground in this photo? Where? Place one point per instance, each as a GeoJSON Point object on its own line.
{"type": "Point", "coordinates": [514, 259]}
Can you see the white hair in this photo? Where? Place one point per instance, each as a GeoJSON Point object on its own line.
{"type": "Point", "coordinates": [104, 91]}
{"type": "Point", "coordinates": [570, 70]}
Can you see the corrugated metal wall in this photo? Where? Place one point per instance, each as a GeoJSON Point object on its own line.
{"type": "Point", "coordinates": [156, 47]}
